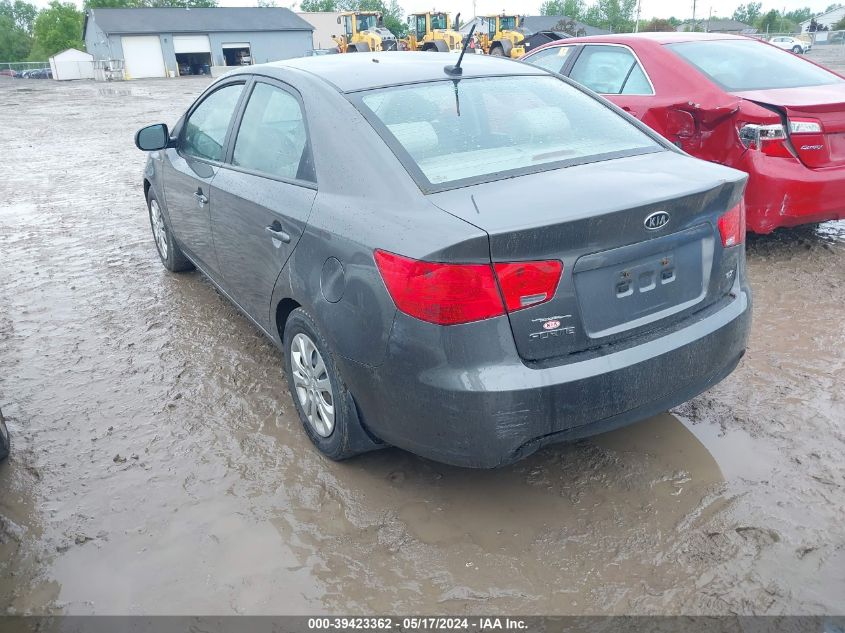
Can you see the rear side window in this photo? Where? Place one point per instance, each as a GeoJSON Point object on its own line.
{"type": "Point", "coordinates": [610, 70]}
{"type": "Point", "coordinates": [494, 127]}
{"type": "Point", "coordinates": [551, 59]}
{"type": "Point", "coordinates": [738, 65]}
{"type": "Point", "coordinates": [206, 127]}
{"type": "Point", "coordinates": [272, 138]}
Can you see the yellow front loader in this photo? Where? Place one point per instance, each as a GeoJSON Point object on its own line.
{"type": "Point", "coordinates": [432, 32]}
{"type": "Point", "coordinates": [504, 37]}
{"type": "Point", "coordinates": [363, 31]}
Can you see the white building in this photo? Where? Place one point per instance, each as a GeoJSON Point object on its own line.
{"type": "Point", "coordinates": [325, 25]}
{"type": "Point", "coordinates": [72, 64]}
{"type": "Point", "coordinates": [825, 19]}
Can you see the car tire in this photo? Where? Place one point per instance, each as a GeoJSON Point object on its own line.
{"type": "Point", "coordinates": [169, 252]}
{"type": "Point", "coordinates": [797, 50]}
{"type": "Point", "coordinates": [314, 382]}
{"type": "Point", "coordinates": [5, 439]}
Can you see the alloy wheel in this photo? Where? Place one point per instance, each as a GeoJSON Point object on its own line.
{"type": "Point", "coordinates": [159, 228]}
{"type": "Point", "coordinates": [313, 387]}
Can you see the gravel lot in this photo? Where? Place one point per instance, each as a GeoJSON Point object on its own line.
{"type": "Point", "coordinates": [158, 466]}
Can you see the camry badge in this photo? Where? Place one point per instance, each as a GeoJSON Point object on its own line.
{"type": "Point", "coordinates": [656, 220]}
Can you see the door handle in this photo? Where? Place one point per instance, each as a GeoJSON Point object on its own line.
{"type": "Point", "coordinates": [276, 231]}
{"type": "Point", "coordinates": [202, 199]}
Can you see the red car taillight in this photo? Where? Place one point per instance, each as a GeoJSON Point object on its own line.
{"type": "Point", "coordinates": [449, 294]}
{"type": "Point", "coordinates": [526, 284]}
{"type": "Point", "coordinates": [772, 139]}
{"type": "Point", "coordinates": [732, 226]}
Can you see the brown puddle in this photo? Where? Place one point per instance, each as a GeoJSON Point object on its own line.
{"type": "Point", "coordinates": [158, 466]}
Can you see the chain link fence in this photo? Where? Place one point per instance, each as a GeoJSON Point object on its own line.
{"type": "Point", "coordinates": [23, 69]}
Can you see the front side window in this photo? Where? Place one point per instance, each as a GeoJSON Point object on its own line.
{"type": "Point", "coordinates": [206, 127]}
{"type": "Point", "coordinates": [745, 64]}
{"type": "Point", "coordinates": [438, 21]}
{"type": "Point", "coordinates": [610, 70]}
{"type": "Point", "coordinates": [551, 59]}
{"type": "Point", "coordinates": [272, 138]}
{"type": "Point", "coordinates": [491, 127]}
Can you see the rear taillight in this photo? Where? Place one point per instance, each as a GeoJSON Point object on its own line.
{"type": "Point", "coordinates": [769, 139]}
{"type": "Point", "coordinates": [526, 284]}
{"type": "Point", "coordinates": [732, 226]}
{"type": "Point", "coordinates": [449, 294]}
{"type": "Point", "coordinates": [772, 139]}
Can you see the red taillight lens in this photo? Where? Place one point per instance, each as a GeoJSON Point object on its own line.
{"type": "Point", "coordinates": [526, 284]}
{"type": "Point", "coordinates": [446, 294]}
{"type": "Point", "coordinates": [449, 294]}
{"type": "Point", "coordinates": [732, 226]}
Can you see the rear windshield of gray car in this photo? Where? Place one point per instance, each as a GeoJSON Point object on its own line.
{"type": "Point", "coordinates": [738, 65]}
{"type": "Point", "coordinates": [449, 133]}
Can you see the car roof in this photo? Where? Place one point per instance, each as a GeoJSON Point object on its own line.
{"type": "Point", "coordinates": [671, 37]}
{"type": "Point", "coordinates": [350, 72]}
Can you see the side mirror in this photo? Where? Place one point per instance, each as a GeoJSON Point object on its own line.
{"type": "Point", "coordinates": [152, 137]}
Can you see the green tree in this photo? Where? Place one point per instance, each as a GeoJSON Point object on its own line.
{"type": "Point", "coordinates": [831, 7]}
{"type": "Point", "coordinates": [15, 43]}
{"type": "Point", "coordinates": [839, 26]}
{"type": "Point", "coordinates": [799, 15]}
{"type": "Point", "coordinates": [748, 13]}
{"type": "Point", "coordinates": [16, 22]}
{"type": "Point", "coordinates": [318, 5]}
{"type": "Point", "coordinates": [56, 28]}
{"type": "Point", "coordinates": [573, 9]}
{"type": "Point", "coordinates": [657, 25]}
{"type": "Point", "coordinates": [614, 15]}
{"type": "Point", "coordinates": [127, 4]}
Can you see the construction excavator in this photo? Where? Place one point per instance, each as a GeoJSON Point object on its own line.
{"type": "Point", "coordinates": [504, 37]}
{"type": "Point", "coordinates": [362, 32]}
{"type": "Point", "coordinates": [432, 31]}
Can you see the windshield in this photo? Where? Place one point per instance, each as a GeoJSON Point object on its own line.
{"type": "Point", "coordinates": [366, 22]}
{"type": "Point", "coordinates": [507, 23]}
{"type": "Point", "coordinates": [438, 21]}
{"type": "Point", "coordinates": [738, 65]}
{"type": "Point", "coordinates": [492, 127]}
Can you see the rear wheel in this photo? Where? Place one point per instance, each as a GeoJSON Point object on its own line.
{"type": "Point", "coordinates": [5, 441]}
{"type": "Point", "coordinates": [797, 49]}
{"type": "Point", "coordinates": [171, 255]}
{"type": "Point", "coordinates": [322, 400]}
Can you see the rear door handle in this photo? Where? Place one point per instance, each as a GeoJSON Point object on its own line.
{"type": "Point", "coordinates": [276, 231]}
{"type": "Point", "coordinates": [202, 199]}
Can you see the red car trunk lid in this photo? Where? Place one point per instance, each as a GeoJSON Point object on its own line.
{"type": "Point", "coordinates": [823, 104]}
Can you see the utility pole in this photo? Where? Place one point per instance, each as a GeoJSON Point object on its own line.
{"type": "Point", "coordinates": [709, 16]}
{"type": "Point", "coordinates": [693, 16]}
{"type": "Point", "coordinates": [637, 23]}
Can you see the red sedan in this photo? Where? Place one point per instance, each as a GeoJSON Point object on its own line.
{"type": "Point", "coordinates": [732, 100]}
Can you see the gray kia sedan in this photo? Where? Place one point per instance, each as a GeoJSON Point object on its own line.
{"type": "Point", "coordinates": [467, 265]}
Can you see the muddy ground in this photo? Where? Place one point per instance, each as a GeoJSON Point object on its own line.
{"type": "Point", "coordinates": [158, 465]}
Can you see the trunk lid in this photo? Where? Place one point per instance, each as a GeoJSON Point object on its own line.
{"type": "Point", "coordinates": [619, 278]}
{"type": "Point", "coordinates": [824, 104]}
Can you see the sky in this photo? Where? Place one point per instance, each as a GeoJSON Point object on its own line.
{"type": "Point", "coordinates": [681, 9]}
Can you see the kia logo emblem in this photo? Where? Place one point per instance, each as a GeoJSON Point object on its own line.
{"type": "Point", "coordinates": [656, 220]}
{"type": "Point", "coordinates": [551, 325]}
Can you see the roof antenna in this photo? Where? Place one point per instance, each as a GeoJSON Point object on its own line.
{"type": "Point", "coordinates": [456, 69]}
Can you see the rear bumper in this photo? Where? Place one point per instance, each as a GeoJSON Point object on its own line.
{"type": "Point", "coordinates": [783, 192]}
{"type": "Point", "coordinates": [457, 395]}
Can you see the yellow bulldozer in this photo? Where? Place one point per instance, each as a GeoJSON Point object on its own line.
{"type": "Point", "coordinates": [431, 32]}
{"type": "Point", "coordinates": [362, 32]}
{"type": "Point", "coordinates": [504, 36]}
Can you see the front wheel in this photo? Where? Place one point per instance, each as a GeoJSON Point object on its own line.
{"type": "Point", "coordinates": [5, 441]}
{"type": "Point", "coordinates": [169, 252]}
{"type": "Point", "coordinates": [497, 51]}
{"type": "Point", "coordinates": [322, 400]}
{"type": "Point", "coordinates": [797, 50]}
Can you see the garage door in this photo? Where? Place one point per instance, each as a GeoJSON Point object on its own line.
{"type": "Point", "coordinates": [142, 56]}
{"type": "Point", "coordinates": [191, 44]}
